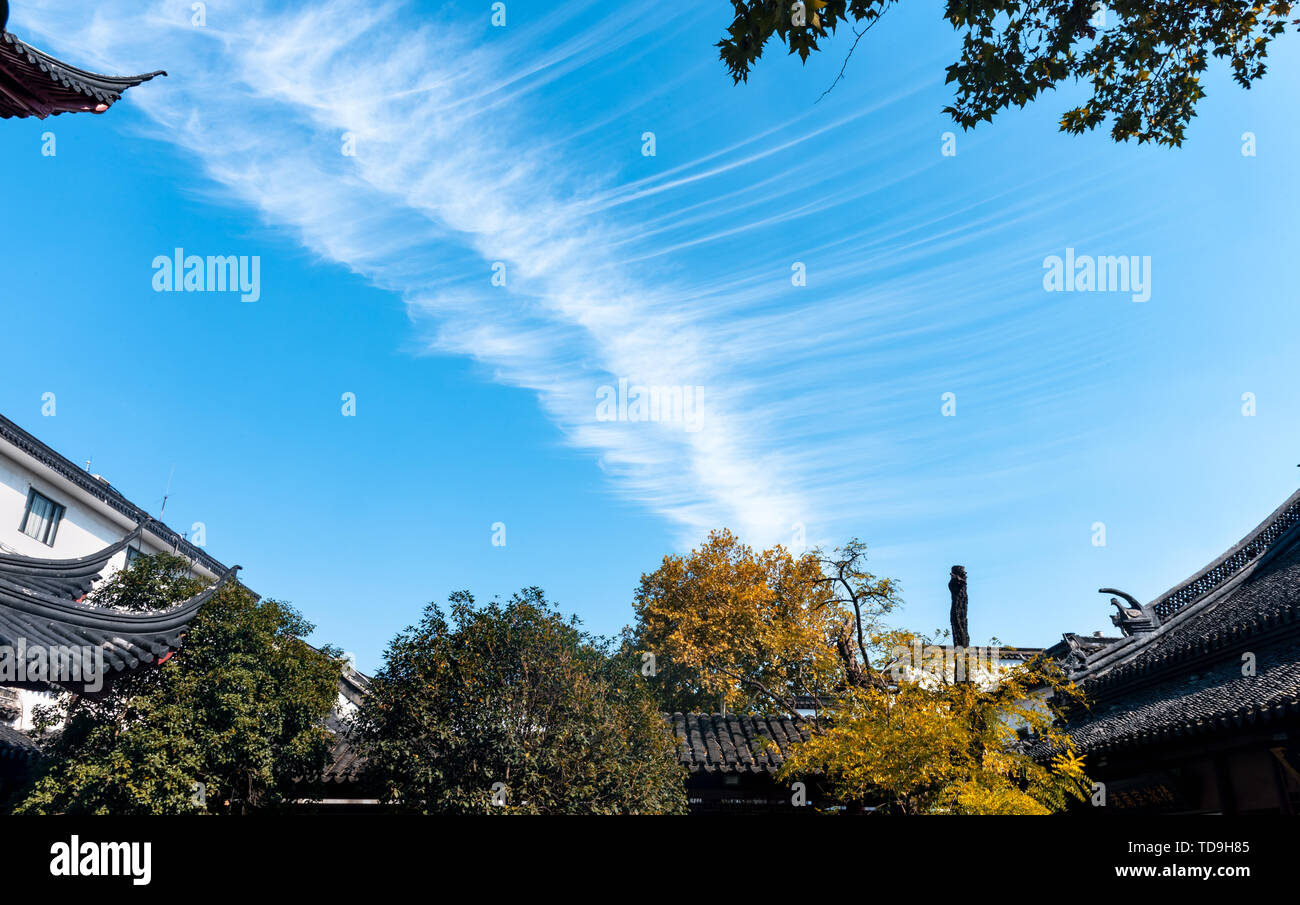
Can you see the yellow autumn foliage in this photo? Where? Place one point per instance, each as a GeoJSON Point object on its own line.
{"type": "Point", "coordinates": [742, 630]}
{"type": "Point", "coordinates": [749, 632]}
{"type": "Point", "coordinates": [947, 749]}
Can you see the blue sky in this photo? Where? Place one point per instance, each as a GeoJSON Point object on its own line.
{"type": "Point", "coordinates": [476, 404]}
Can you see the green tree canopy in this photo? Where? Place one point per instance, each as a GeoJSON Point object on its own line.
{"type": "Point", "coordinates": [239, 709]}
{"type": "Point", "coordinates": [511, 709]}
{"type": "Point", "coordinates": [1144, 60]}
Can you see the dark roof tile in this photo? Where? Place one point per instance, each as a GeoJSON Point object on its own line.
{"type": "Point", "coordinates": [713, 743]}
{"type": "Point", "coordinates": [1218, 699]}
{"type": "Point", "coordinates": [15, 745]}
{"type": "Point", "coordinates": [127, 640]}
{"type": "Point", "coordinates": [33, 83]}
{"type": "Point", "coordinates": [1185, 677]}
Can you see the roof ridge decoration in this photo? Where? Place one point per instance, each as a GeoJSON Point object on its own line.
{"type": "Point", "coordinates": [1131, 619]}
{"type": "Point", "coordinates": [1116, 660]}
{"type": "Point", "coordinates": [1223, 641]}
{"type": "Point", "coordinates": [1149, 657]}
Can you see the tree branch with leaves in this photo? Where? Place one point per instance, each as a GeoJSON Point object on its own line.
{"type": "Point", "coordinates": [1144, 61]}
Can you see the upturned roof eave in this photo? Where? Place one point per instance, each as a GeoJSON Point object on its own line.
{"type": "Point", "coordinates": [96, 86]}
{"type": "Point", "coordinates": [1285, 520]}
{"type": "Point", "coordinates": [83, 616]}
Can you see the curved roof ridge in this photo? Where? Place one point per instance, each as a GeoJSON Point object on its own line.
{"type": "Point", "coordinates": [33, 83]}
{"type": "Point", "coordinates": [1220, 615]}
{"type": "Point", "coordinates": [70, 578]}
{"type": "Point", "coordinates": [35, 565]}
{"type": "Point", "coordinates": [126, 641]}
{"type": "Point", "coordinates": [1243, 553]}
{"type": "Point", "coordinates": [1197, 594]}
{"type": "Point", "coordinates": [52, 65]}
{"type": "Point", "coordinates": [22, 600]}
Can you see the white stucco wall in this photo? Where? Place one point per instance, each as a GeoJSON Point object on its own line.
{"type": "Point", "coordinates": [81, 532]}
{"type": "Point", "coordinates": [88, 524]}
{"type": "Point", "coordinates": [28, 700]}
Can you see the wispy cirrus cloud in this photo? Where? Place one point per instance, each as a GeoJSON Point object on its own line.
{"type": "Point", "coordinates": [672, 278]}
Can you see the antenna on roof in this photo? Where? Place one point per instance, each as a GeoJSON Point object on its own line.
{"type": "Point", "coordinates": [166, 493]}
{"type": "Point", "coordinates": [88, 461]}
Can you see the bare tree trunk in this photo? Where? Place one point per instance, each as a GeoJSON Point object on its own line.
{"type": "Point", "coordinates": [854, 673]}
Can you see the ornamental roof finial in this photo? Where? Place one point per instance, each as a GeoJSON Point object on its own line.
{"type": "Point", "coordinates": [1132, 618]}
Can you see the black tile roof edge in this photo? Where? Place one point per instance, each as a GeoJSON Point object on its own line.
{"type": "Point", "coordinates": [346, 765]}
{"type": "Point", "coordinates": [43, 606]}
{"type": "Point", "coordinates": [105, 493]}
{"type": "Point", "coordinates": [67, 578]}
{"type": "Point", "coordinates": [103, 88]}
{"type": "Point", "coordinates": [127, 640]}
{"type": "Point", "coordinates": [1278, 624]}
{"type": "Point", "coordinates": [15, 745]}
{"type": "Point", "coordinates": [1219, 722]}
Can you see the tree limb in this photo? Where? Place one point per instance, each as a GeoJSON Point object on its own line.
{"type": "Point", "coordinates": [849, 55]}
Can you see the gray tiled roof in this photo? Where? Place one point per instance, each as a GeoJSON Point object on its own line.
{"type": "Point", "coordinates": [128, 640]}
{"type": "Point", "coordinates": [709, 743]}
{"type": "Point", "coordinates": [1215, 700]}
{"type": "Point", "coordinates": [1186, 677]}
{"type": "Point", "coordinates": [345, 765]}
{"type": "Point", "coordinates": [1265, 604]}
{"type": "Point", "coordinates": [713, 743]}
{"type": "Point", "coordinates": [14, 745]}
{"type": "Point", "coordinates": [69, 579]}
